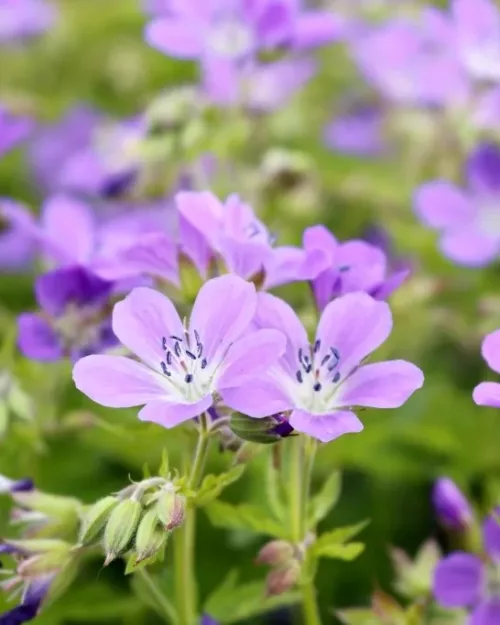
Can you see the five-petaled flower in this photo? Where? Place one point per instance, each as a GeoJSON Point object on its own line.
{"type": "Point", "coordinates": [187, 366]}
{"type": "Point", "coordinates": [464, 580]}
{"type": "Point", "coordinates": [320, 382]}
{"type": "Point", "coordinates": [488, 393]}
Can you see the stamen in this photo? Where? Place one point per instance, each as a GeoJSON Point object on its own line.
{"type": "Point", "coordinates": [177, 350]}
{"type": "Point", "coordinates": [169, 358]}
{"type": "Point", "coordinates": [203, 363]}
{"type": "Point", "coordinates": [176, 338]}
{"type": "Point", "coordinates": [197, 337]}
{"type": "Point", "coordinates": [188, 378]}
{"type": "Point", "coordinates": [190, 354]}
{"type": "Point", "coordinates": [325, 360]}
{"type": "Point", "coordinates": [317, 387]}
{"type": "Point", "coordinates": [344, 268]}
{"type": "Point", "coordinates": [164, 343]}
{"type": "Point", "coordinates": [164, 369]}
{"type": "Point", "coordinates": [308, 368]}
{"type": "Point", "coordinates": [317, 345]}
{"type": "Point", "coordinates": [335, 352]}
{"type": "Point", "coordinates": [336, 377]}
{"type": "Point", "coordinates": [299, 376]}
{"type": "Point", "coordinates": [200, 349]}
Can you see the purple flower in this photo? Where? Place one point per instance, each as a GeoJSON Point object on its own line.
{"type": "Point", "coordinates": [463, 580]}
{"type": "Point", "coordinates": [184, 365]}
{"type": "Point", "coordinates": [488, 393]}
{"type": "Point", "coordinates": [33, 595]}
{"type": "Point", "coordinates": [359, 132]}
{"type": "Point", "coordinates": [451, 506]}
{"type": "Point", "coordinates": [347, 267]}
{"type": "Point", "coordinates": [13, 486]}
{"type": "Point", "coordinates": [13, 128]}
{"type": "Point", "coordinates": [24, 19]}
{"type": "Point", "coordinates": [467, 219]}
{"type": "Point", "coordinates": [321, 382]}
{"type": "Point", "coordinates": [17, 228]}
{"type": "Point", "coordinates": [54, 144]}
{"type": "Point", "coordinates": [74, 318]}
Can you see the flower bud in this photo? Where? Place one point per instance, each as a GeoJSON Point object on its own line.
{"type": "Point", "coordinates": [264, 431]}
{"type": "Point", "coordinates": [95, 519]}
{"type": "Point", "coordinates": [282, 579]}
{"type": "Point", "coordinates": [452, 508]}
{"type": "Point", "coordinates": [121, 527]}
{"type": "Point", "coordinates": [170, 508]}
{"type": "Point", "coordinates": [275, 552]}
{"type": "Point", "coordinates": [150, 536]}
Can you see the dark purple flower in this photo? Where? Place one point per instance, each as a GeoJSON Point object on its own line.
{"type": "Point", "coordinates": [451, 506]}
{"type": "Point", "coordinates": [13, 128]}
{"type": "Point", "coordinates": [74, 319]}
{"type": "Point", "coordinates": [463, 580]}
{"type": "Point", "coordinates": [348, 267]}
{"type": "Point", "coordinates": [467, 219]}
{"type": "Point", "coordinates": [17, 236]}
{"type": "Point", "coordinates": [24, 19]}
{"type": "Point", "coordinates": [320, 382]}
{"type": "Point", "coordinates": [488, 393]}
{"type": "Point", "coordinates": [206, 619]}
{"type": "Point", "coordinates": [14, 486]}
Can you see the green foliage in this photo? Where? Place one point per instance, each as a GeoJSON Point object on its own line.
{"type": "Point", "coordinates": [213, 485]}
{"type": "Point", "coordinates": [245, 517]}
{"type": "Point", "coordinates": [325, 500]}
{"type": "Point", "coordinates": [232, 602]}
{"type": "Point", "coordinates": [334, 544]}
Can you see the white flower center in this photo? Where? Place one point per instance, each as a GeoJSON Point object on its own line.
{"type": "Point", "coordinates": [231, 38]}
{"type": "Point", "coordinates": [185, 368]}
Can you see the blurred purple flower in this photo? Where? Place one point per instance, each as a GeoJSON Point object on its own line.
{"type": "Point", "coordinates": [13, 128]}
{"type": "Point", "coordinates": [488, 393]}
{"type": "Point", "coordinates": [17, 231]}
{"type": "Point", "coordinates": [54, 144]}
{"type": "Point", "coordinates": [13, 486]}
{"type": "Point", "coordinates": [24, 19]}
{"type": "Point", "coordinates": [74, 319]}
{"type": "Point", "coordinates": [320, 383]}
{"type": "Point", "coordinates": [33, 595]}
{"type": "Point", "coordinates": [347, 267]}
{"type": "Point", "coordinates": [184, 365]}
{"type": "Point", "coordinates": [359, 132]}
{"type": "Point", "coordinates": [467, 219]}
{"type": "Point", "coordinates": [463, 580]}
{"type": "Point", "coordinates": [451, 506]}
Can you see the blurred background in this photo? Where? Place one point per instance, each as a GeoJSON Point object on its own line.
{"type": "Point", "coordinates": [94, 55]}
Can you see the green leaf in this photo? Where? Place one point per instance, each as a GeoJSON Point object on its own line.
{"type": "Point", "coordinates": [132, 567]}
{"type": "Point", "coordinates": [338, 551]}
{"type": "Point", "coordinates": [274, 489]}
{"type": "Point", "coordinates": [325, 500]}
{"type": "Point", "coordinates": [341, 535]}
{"type": "Point", "coordinates": [213, 485]}
{"type": "Point", "coordinates": [146, 473]}
{"type": "Point", "coordinates": [244, 517]}
{"type": "Point", "coordinates": [164, 469]}
{"type": "Point", "coordinates": [150, 593]}
{"type": "Point", "coordinates": [358, 616]}
{"type": "Point", "coordinates": [231, 602]}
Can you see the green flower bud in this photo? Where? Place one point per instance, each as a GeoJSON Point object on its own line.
{"type": "Point", "coordinates": [264, 431]}
{"type": "Point", "coordinates": [170, 508]}
{"type": "Point", "coordinates": [150, 536]}
{"type": "Point", "coordinates": [121, 527]}
{"type": "Point", "coordinates": [50, 505]}
{"type": "Point", "coordinates": [51, 556]}
{"type": "Point", "coordinates": [95, 519]}
{"type": "Point", "coordinates": [275, 552]}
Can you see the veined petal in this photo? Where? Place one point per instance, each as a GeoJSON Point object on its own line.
{"type": "Point", "coordinates": [118, 382]}
{"type": "Point", "coordinates": [380, 385]}
{"type": "Point", "coordinates": [250, 356]}
{"type": "Point", "coordinates": [258, 397]}
{"type": "Point", "coordinates": [170, 414]}
{"type": "Point", "coordinates": [355, 325]}
{"type": "Point", "coordinates": [273, 312]}
{"type": "Point", "coordinates": [141, 321]}
{"type": "Point", "coordinates": [244, 258]}
{"type": "Point", "coordinates": [459, 580]}
{"type": "Point", "coordinates": [204, 212]}
{"type": "Point", "coordinates": [222, 312]}
{"type": "Point", "coordinates": [491, 350]}
{"type": "Point", "coordinates": [487, 394]}
{"type": "Point", "coordinates": [326, 427]}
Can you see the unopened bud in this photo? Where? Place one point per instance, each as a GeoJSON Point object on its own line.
{"type": "Point", "coordinates": [275, 552]}
{"type": "Point", "coordinates": [150, 536]}
{"type": "Point", "coordinates": [54, 556]}
{"type": "Point", "coordinates": [95, 519]}
{"type": "Point", "coordinates": [451, 506]}
{"type": "Point", "coordinates": [282, 579]}
{"type": "Point", "coordinates": [171, 509]}
{"type": "Point", "coordinates": [50, 505]}
{"type": "Point", "coordinates": [264, 431]}
{"type": "Point", "coordinates": [121, 527]}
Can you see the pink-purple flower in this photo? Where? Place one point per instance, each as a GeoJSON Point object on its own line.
{"type": "Point", "coordinates": [464, 580]}
{"type": "Point", "coordinates": [186, 367]}
{"type": "Point", "coordinates": [24, 19]}
{"type": "Point", "coordinates": [468, 219]}
{"type": "Point", "coordinates": [13, 128]}
{"type": "Point", "coordinates": [321, 382]}
{"type": "Point", "coordinates": [488, 393]}
{"type": "Point", "coordinates": [450, 504]}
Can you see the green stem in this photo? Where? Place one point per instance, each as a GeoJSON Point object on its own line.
{"type": "Point", "coordinates": [309, 603]}
{"type": "Point", "coordinates": [295, 470]}
{"type": "Point", "coordinates": [161, 601]}
{"type": "Point", "coordinates": [184, 538]}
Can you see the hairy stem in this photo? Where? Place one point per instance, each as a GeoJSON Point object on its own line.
{"type": "Point", "coordinates": [161, 601]}
{"type": "Point", "coordinates": [184, 538]}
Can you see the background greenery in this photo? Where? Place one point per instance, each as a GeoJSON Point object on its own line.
{"type": "Point", "coordinates": [97, 55]}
